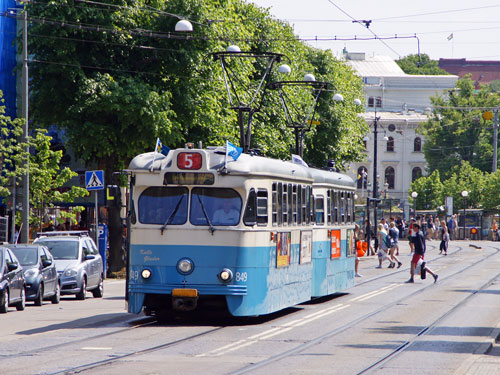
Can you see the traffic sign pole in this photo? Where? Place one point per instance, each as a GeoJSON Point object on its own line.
{"type": "Point", "coordinates": [96, 234]}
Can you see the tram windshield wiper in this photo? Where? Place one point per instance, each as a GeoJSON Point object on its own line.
{"type": "Point", "coordinates": [212, 229]}
{"type": "Point", "coordinates": [172, 215]}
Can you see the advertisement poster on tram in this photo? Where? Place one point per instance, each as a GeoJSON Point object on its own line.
{"type": "Point", "coordinates": [305, 247]}
{"type": "Point", "coordinates": [335, 243]}
{"type": "Point", "coordinates": [283, 249]}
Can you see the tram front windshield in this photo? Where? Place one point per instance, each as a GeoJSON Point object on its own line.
{"type": "Point", "coordinates": [215, 206]}
{"type": "Point", "coordinates": [163, 205]}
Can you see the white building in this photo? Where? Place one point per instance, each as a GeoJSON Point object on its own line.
{"type": "Point", "coordinates": [399, 101]}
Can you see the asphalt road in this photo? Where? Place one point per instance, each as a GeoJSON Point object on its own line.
{"type": "Point", "coordinates": [382, 326]}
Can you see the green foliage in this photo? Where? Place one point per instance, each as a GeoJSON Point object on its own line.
{"type": "Point", "coordinates": [47, 178]}
{"type": "Point", "coordinates": [420, 64]}
{"type": "Point", "coordinates": [430, 191]}
{"type": "Point", "coordinates": [13, 153]}
{"type": "Point", "coordinates": [495, 85]}
{"type": "Point", "coordinates": [117, 91]}
{"type": "Point", "coordinates": [455, 133]}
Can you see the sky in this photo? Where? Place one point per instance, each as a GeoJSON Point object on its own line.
{"type": "Point", "coordinates": [445, 28]}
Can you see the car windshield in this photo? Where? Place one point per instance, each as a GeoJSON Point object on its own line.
{"type": "Point", "coordinates": [163, 205]}
{"type": "Point", "coordinates": [62, 249]}
{"type": "Point", "coordinates": [1, 259]}
{"type": "Point", "coordinates": [27, 256]}
{"type": "Point", "coordinates": [220, 206]}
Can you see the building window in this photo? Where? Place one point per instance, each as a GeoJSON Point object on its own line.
{"type": "Point", "coordinates": [417, 144]}
{"type": "Point", "coordinates": [362, 177]}
{"type": "Point", "coordinates": [390, 144]}
{"type": "Point", "coordinates": [375, 102]}
{"type": "Point", "coordinates": [389, 177]}
{"type": "Point", "coordinates": [416, 173]}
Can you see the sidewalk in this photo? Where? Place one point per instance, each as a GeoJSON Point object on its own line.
{"type": "Point", "coordinates": [484, 361]}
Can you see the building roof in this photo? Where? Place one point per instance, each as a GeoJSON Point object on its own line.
{"type": "Point", "coordinates": [373, 66]}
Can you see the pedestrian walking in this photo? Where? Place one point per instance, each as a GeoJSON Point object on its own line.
{"type": "Point", "coordinates": [412, 234]}
{"type": "Point", "coordinates": [445, 238]}
{"type": "Point", "coordinates": [451, 227]}
{"type": "Point", "coordinates": [356, 238]}
{"type": "Point", "coordinates": [419, 254]}
{"type": "Point", "coordinates": [368, 237]}
{"type": "Point", "coordinates": [437, 228]}
{"type": "Point", "coordinates": [494, 231]}
{"type": "Point", "coordinates": [394, 250]}
{"type": "Point", "coordinates": [384, 245]}
{"type": "Point", "coordinates": [430, 227]}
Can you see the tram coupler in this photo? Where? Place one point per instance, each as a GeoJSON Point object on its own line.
{"type": "Point", "coordinates": [184, 299]}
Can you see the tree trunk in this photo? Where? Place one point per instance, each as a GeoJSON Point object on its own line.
{"type": "Point", "coordinates": [116, 258]}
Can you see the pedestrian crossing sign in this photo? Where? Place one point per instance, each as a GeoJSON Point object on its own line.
{"type": "Point", "coordinates": [94, 180]}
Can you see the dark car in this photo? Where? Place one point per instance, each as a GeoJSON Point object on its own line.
{"type": "Point", "coordinates": [11, 281]}
{"type": "Point", "coordinates": [77, 260]}
{"type": "Point", "coordinates": [40, 273]}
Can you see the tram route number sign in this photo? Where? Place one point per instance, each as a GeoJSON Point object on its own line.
{"type": "Point", "coordinates": [94, 180]}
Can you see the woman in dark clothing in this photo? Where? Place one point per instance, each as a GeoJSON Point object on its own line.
{"type": "Point", "coordinates": [445, 238]}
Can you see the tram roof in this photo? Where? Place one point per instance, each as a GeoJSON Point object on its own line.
{"type": "Point", "coordinates": [251, 165]}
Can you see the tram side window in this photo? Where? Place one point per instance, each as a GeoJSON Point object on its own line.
{"type": "Point", "coordinates": [216, 206]}
{"type": "Point", "coordinates": [342, 207]}
{"type": "Point", "coordinates": [335, 204]}
{"type": "Point", "coordinates": [329, 207]}
{"type": "Point", "coordinates": [319, 202]}
{"type": "Point", "coordinates": [285, 204]}
{"type": "Point", "coordinates": [256, 208]}
{"type": "Point", "coordinates": [294, 205]}
{"type": "Point", "coordinates": [163, 205]}
{"type": "Point", "coordinates": [280, 203]}
{"type": "Point", "coordinates": [290, 207]}
{"type": "Point", "coordinates": [299, 204]}
{"type": "Point", "coordinates": [348, 206]}
{"type": "Point", "coordinates": [309, 204]}
{"type": "Point", "coordinates": [275, 204]}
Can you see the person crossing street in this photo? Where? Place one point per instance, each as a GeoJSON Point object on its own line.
{"type": "Point", "coordinates": [419, 245]}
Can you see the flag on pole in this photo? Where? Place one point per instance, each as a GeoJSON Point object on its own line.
{"type": "Point", "coordinates": [233, 151]}
{"type": "Point", "coordinates": [161, 148]}
{"type": "Point", "coordinates": [450, 37]}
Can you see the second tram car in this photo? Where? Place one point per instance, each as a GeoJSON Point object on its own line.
{"type": "Point", "coordinates": [254, 234]}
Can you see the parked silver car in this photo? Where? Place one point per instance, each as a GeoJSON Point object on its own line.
{"type": "Point", "coordinates": [77, 260]}
{"type": "Point", "coordinates": [42, 281]}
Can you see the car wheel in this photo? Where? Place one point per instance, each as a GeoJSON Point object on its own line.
{"type": "Point", "coordinates": [39, 297]}
{"type": "Point", "coordinates": [99, 291]}
{"type": "Point", "coordinates": [56, 298]}
{"type": "Point", "coordinates": [21, 304]}
{"type": "Point", "coordinates": [4, 307]}
{"type": "Point", "coordinates": [81, 294]}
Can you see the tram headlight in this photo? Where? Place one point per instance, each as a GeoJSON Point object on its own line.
{"type": "Point", "coordinates": [226, 275]}
{"type": "Point", "coordinates": [146, 274]}
{"type": "Point", "coordinates": [185, 266]}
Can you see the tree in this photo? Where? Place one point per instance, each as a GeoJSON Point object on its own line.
{"type": "Point", "coordinates": [47, 179]}
{"type": "Point", "coordinates": [430, 191]}
{"type": "Point", "coordinates": [456, 131]}
{"type": "Point", "coordinates": [13, 153]}
{"type": "Point", "coordinates": [119, 88]}
{"type": "Point", "coordinates": [420, 64]}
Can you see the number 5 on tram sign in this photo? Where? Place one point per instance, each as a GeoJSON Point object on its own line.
{"type": "Point", "coordinates": [94, 180]}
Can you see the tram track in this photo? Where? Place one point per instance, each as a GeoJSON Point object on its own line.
{"type": "Point", "coordinates": [105, 362]}
{"type": "Point", "coordinates": [332, 333]}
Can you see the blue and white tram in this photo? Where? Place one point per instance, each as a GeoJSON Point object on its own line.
{"type": "Point", "coordinates": [256, 234]}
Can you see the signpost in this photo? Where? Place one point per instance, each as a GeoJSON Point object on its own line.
{"type": "Point", "coordinates": [94, 180]}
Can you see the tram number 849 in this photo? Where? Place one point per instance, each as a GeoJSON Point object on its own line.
{"type": "Point", "coordinates": [241, 276]}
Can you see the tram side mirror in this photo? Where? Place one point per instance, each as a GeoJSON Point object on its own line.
{"type": "Point", "coordinates": [11, 266]}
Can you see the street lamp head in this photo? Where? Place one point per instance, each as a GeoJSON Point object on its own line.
{"type": "Point", "coordinates": [357, 101]}
{"type": "Point", "coordinates": [233, 48]}
{"type": "Point", "coordinates": [309, 78]}
{"type": "Point", "coordinates": [465, 193]}
{"type": "Point", "coordinates": [414, 194]}
{"type": "Point", "coordinates": [184, 26]}
{"type": "Point", "coordinates": [338, 98]}
{"type": "Point", "coordinates": [366, 138]}
{"type": "Point", "coordinates": [284, 68]}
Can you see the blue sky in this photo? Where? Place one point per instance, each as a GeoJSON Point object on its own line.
{"type": "Point", "coordinates": [475, 26]}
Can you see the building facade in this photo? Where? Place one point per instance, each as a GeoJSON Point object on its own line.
{"type": "Point", "coordinates": [399, 103]}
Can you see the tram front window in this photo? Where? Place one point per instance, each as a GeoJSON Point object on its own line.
{"type": "Point", "coordinates": [163, 205]}
{"type": "Point", "coordinates": [215, 206]}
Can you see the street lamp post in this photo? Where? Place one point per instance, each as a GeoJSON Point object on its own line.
{"type": "Point", "coordinates": [414, 195]}
{"type": "Point", "coordinates": [464, 193]}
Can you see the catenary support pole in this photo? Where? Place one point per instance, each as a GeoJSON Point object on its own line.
{"type": "Point", "coordinates": [25, 215]}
